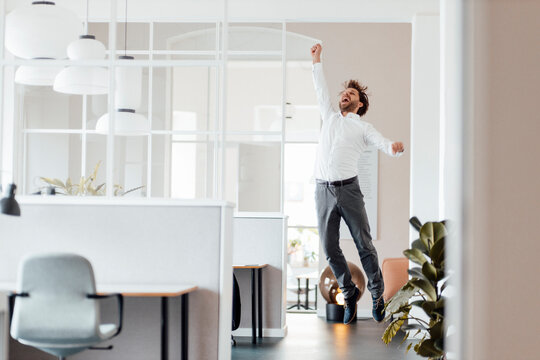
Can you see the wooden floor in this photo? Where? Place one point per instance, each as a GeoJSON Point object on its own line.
{"type": "Point", "coordinates": [312, 338]}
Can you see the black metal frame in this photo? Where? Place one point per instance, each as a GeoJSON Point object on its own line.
{"type": "Point", "coordinates": [165, 327]}
{"type": "Point", "coordinates": [306, 290]}
{"type": "Point", "coordinates": [256, 304]}
{"type": "Point", "coordinates": [120, 300]}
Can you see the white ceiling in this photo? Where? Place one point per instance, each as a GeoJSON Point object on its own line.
{"type": "Point", "coordinates": [260, 10]}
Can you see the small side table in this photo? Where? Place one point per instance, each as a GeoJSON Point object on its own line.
{"type": "Point", "coordinates": [256, 310]}
{"type": "Point", "coordinates": [312, 275]}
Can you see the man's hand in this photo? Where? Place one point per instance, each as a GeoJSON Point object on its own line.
{"type": "Point", "coordinates": [397, 147]}
{"type": "Point", "coordinates": [316, 53]}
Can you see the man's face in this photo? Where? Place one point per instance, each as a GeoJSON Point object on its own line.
{"type": "Point", "coordinates": [349, 100]}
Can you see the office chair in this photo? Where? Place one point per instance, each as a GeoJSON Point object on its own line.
{"type": "Point", "coordinates": [237, 308]}
{"type": "Point", "coordinates": [56, 308]}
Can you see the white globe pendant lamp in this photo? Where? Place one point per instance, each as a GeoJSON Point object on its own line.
{"type": "Point", "coordinates": [127, 121]}
{"type": "Point", "coordinates": [84, 80]}
{"type": "Point", "coordinates": [36, 75]}
{"type": "Point", "coordinates": [41, 30]}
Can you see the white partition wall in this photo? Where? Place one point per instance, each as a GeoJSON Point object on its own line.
{"type": "Point", "coordinates": [139, 242]}
{"type": "Point", "coordinates": [261, 239]}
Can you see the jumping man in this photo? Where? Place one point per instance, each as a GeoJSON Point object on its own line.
{"type": "Point", "coordinates": [344, 137]}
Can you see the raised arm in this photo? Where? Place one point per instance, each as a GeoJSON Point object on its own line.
{"type": "Point", "coordinates": [323, 98]}
{"type": "Point", "coordinates": [373, 137]}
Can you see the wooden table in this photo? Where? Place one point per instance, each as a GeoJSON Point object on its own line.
{"type": "Point", "coordinates": [255, 310]}
{"type": "Point", "coordinates": [164, 291]}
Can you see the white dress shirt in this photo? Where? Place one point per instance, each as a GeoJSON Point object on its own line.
{"type": "Point", "coordinates": [343, 138]}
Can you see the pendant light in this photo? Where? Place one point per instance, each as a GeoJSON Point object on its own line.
{"type": "Point", "coordinates": [84, 80]}
{"type": "Point", "coordinates": [127, 98]}
{"type": "Point", "coordinates": [41, 30]}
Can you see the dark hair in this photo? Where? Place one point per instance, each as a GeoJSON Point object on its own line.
{"type": "Point", "coordinates": [363, 95]}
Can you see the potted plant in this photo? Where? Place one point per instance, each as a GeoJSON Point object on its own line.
{"type": "Point", "coordinates": [85, 187]}
{"type": "Point", "coordinates": [426, 286]}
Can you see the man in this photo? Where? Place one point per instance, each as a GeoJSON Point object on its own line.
{"type": "Point", "coordinates": [344, 136]}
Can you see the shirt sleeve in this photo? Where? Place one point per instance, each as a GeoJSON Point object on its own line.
{"type": "Point", "coordinates": [373, 137]}
{"type": "Point", "coordinates": [323, 98]}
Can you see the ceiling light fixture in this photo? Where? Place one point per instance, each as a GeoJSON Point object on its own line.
{"type": "Point", "coordinates": [127, 98]}
{"type": "Point", "coordinates": [41, 30]}
{"type": "Point", "coordinates": [84, 80]}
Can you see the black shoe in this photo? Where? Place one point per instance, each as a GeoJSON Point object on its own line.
{"type": "Point", "coordinates": [378, 311]}
{"type": "Point", "coordinates": [350, 307]}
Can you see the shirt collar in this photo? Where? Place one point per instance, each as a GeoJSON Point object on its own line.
{"type": "Point", "coordinates": [350, 115]}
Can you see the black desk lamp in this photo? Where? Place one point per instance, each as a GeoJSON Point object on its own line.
{"type": "Point", "coordinates": [8, 204]}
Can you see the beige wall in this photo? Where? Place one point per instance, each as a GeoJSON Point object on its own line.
{"type": "Point", "coordinates": [379, 55]}
{"type": "Point", "coordinates": [501, 270]}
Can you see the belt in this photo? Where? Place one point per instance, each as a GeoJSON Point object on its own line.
{"type": "Point", "coordinates": [338, 182]}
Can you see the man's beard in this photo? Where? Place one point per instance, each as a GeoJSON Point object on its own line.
{"type": "Point", "coordinates": [350, 107]}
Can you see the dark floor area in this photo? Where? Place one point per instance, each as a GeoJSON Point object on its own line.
{"type": "Point", "coordinates": [312, 338]}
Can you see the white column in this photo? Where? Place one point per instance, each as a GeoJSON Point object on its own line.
{"type": "Point", "coordinates": [425, 125]}
{"type": "Point", "coordinates": [425, 120]}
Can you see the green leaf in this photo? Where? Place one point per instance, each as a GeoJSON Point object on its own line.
{"type": "Point", "coordinates": [440, 274]}
{"type": "Point", "coordinates": [391, 330]}
{"type": "Point", "coordinates": [418, 303]}
{"type": "Point", "coordinates": [437, 330]}
{"type": "Point", "coordinates": [408, 348]}
{"type": "Point", "coordinates": [437, 251]}
{"type": "Point", "coordinates": [55, 182]}
{"type": "Point", "coordinates": [418, 244]}
{"type": "Point", "coordinates": [429, 271]}
{"type": "Point", "coordinates": [416, 272]}
{"type": "Point", "coordinates": [417, 326]}
{"type": "Point", "coordinates": [415, 223]}
{"type": "Point", "coordinates": [427, 348]}
{"type": "Point", "coordinates": [415, 256]}
{"type": "Point", "coordinates": [426, 287]}
{"type": "Point", "coordinates": [431, 307]}
{"type": "Point", "coordinates": [405, 337]}
{"type": "Point", "coordinates": [401, 298]}
{"type": "Point", "coordinates": [431, 232]}
{"type": "Point", "coordinates": [444, 286]}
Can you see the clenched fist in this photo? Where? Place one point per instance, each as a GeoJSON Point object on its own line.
{"type": "Point", "coordinates": [316, 53]}
{"type": "Point", "coordinates": [397, 147]}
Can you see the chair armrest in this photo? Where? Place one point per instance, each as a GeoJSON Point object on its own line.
{"type": "Point", "coordinates": [120, 301]}
{"type": "Point", "coordinates": [11, 300]}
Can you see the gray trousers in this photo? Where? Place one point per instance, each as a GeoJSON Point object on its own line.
{"type": "Point", "coordinates": [334, 202]}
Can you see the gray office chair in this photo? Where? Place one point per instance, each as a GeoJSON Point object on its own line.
{"type": "Point", "coordinates": [56, 308]}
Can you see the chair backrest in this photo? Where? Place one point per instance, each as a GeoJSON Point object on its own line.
{"type": "Point", "coordinates": [237, 305]}
{"type": "Point", "coordinates": [57, 307]}
{"type": "Point", "coordinates": [395, 275]}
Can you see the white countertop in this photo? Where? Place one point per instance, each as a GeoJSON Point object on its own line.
{"type": "Point", "coordinates": [118, 201]}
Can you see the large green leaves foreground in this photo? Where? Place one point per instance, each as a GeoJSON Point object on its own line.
{"type": "Point", "coordinates": [425, 288]}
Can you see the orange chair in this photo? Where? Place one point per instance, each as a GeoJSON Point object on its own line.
{"type": "Point", "coordinates": [395, 275]}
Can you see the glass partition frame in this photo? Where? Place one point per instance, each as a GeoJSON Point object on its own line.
{"type": "Point", "coordinates": [151, 59]}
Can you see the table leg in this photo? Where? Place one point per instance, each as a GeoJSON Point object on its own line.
{"type": "Point", "coordinates": [259, 298]}
{"type": "Point", "coordinates": [307, 294]}
{"type": "Point", "coordinates": [164, 328]}
{"type": "Point", "coordinates": [298, 294]}
{"type": "Point", "coordinates": [185, 323]}
{"type": "Point", "coordinates": [253, 312]}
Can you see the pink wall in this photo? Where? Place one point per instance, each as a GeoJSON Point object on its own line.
{"type": "Point", "coordinates": [501, 269]}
